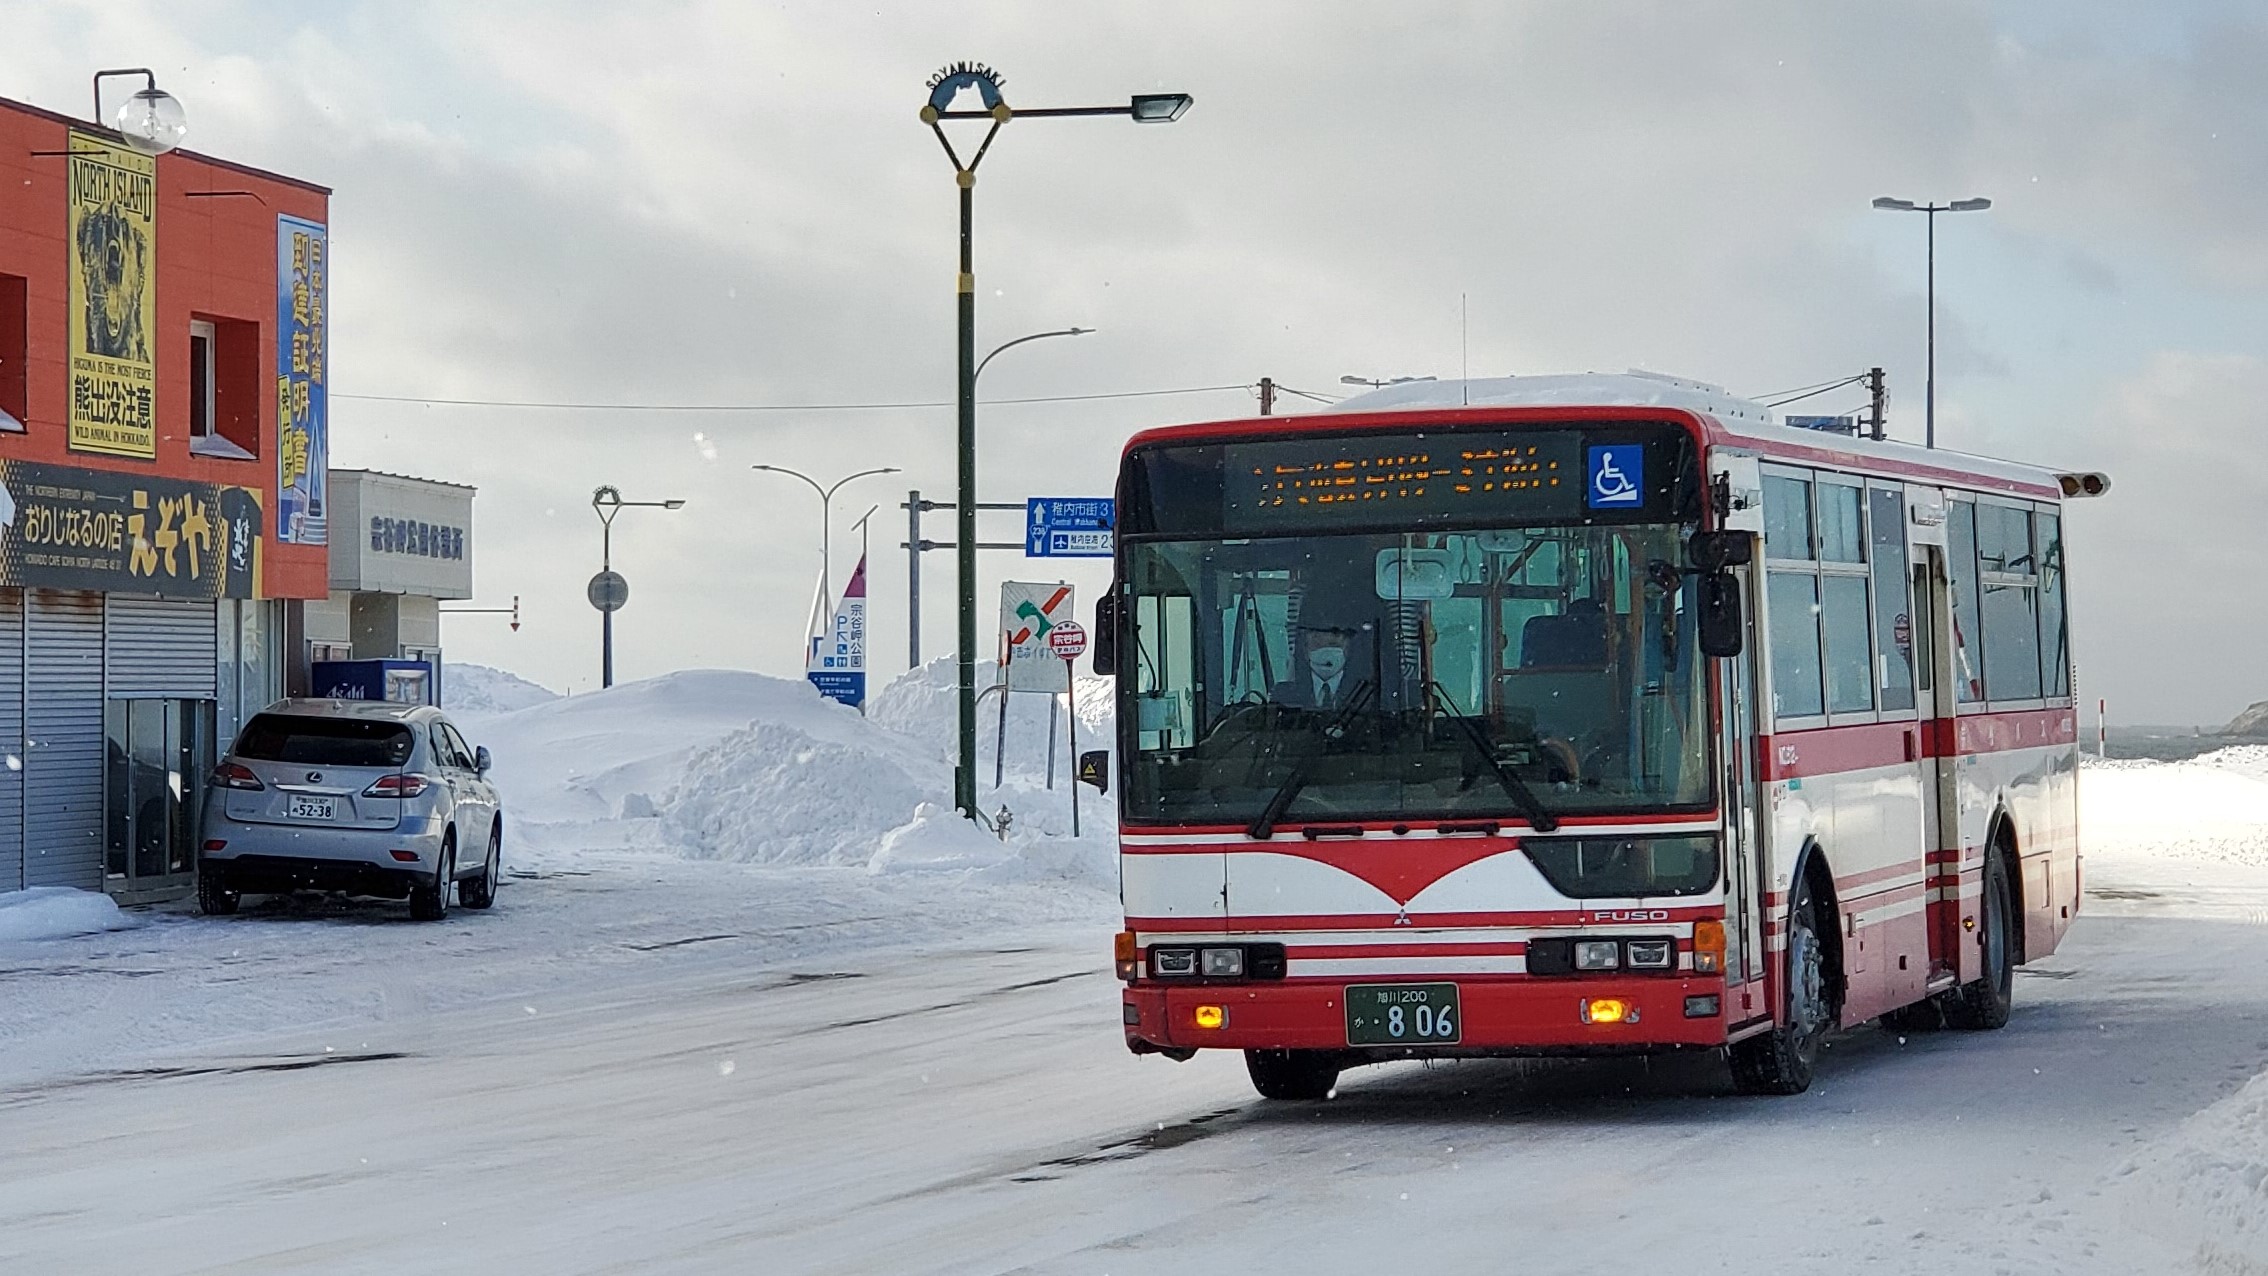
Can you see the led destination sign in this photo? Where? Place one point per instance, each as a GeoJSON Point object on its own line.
{"type": "Point", "coordinates": [1495, 477]}
{"type": "Point", "coordinates": [1314, 480]}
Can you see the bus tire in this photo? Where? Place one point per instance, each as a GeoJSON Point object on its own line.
{"type": "Point", "coordinates": [1293, 1074]}
{"type": "Point", "coordinates": [1781, 1061]}
{"type": "Point", "coordinates": [1985, 1004]}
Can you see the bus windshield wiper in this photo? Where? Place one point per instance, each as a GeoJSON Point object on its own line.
{"type": "Point", "coordinates": [1478, 739]}
{"type": "Point", "coordinates": [1263, 827]}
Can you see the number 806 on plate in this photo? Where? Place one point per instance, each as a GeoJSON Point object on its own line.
{"type": "Point", "coordinates": [1403, 1015]}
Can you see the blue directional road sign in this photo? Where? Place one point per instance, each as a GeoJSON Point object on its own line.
{"type": "Point", "coordinates": [1068, 527]}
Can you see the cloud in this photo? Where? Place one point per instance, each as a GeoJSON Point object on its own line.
{"type": "Point", "coordinates": [704, 201]}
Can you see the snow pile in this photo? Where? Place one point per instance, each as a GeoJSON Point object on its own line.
{"type": "Point", "coordinates": [2206, 1184]}
{"type": "Point", "coordinates": [921, 705]}
{"type": "Point", "coordinates": [736, 767]}
{"type": "Point", "coordinates": [57, 912]}
{"type": "Point", "coordinates": [776, 793]}
{"type": "Point", "coordinates": [2213, 809]}
{"type": "Point", "coordinates": [482, 690]}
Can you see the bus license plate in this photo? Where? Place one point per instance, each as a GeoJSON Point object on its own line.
{"type": "Point", "coordinates": [313, 808]}
{"type": "Point", "coordinates": [1403, 1015]}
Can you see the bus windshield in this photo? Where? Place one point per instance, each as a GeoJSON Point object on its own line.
{"type": "Point", "coordinates": [1518, 672]}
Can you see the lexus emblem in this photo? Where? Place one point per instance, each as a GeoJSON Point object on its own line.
{"type": "Point", "coordinates": [314, 777]}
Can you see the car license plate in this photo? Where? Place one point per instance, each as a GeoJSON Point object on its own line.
{"type": "Point", "coordinates": [312, 808]}
{"type": "Point", "coordinates": [1403, 1015]}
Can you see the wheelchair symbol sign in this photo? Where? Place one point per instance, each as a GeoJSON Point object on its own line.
{"type": "Point", "coordinates": [1618, 476]}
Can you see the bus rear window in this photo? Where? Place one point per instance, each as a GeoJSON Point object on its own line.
{"type": "Point", "coordinates": [324, 741]}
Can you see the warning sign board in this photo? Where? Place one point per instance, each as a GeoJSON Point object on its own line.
{"type": "Point", "coordinates": [1028, 616]}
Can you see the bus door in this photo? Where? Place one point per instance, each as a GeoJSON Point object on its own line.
{"type": "Point", "coordinates": [1936, 690]}
{"type": "Point", "coordinates": [1744, 858]}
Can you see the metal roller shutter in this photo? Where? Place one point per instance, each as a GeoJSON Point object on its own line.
{"type": "Point", "coordinates": [13, 873]}
{"type": "Point", "coordinates": [63, 758]}
{"type": "Point", "coordinates": [160, 647]}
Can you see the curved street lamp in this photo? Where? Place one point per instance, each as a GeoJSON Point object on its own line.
{"type": "Point", "coordinates": [944, 87]}
{"type": "Point", "coordinates": [1889, 204]}
{"type": "Point", "coordinates": [826, 520]}
{"type": "Point", "coordinates": [1037, 336]}
{"type": "Point", "coordinates": [606, 502]}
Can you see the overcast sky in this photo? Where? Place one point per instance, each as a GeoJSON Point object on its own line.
{"type": "Point", "coordinates": [734, 203]}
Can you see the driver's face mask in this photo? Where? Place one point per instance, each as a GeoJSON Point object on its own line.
{"type": "Point", "coordinates": [1327, 662]}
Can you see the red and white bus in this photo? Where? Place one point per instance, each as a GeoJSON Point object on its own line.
{"type": "Point", "coordinates": [1580, 715]}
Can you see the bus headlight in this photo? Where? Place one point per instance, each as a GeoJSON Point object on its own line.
{"type": "Point", "coordinates": [1173, 963]}
{"type": "Point", "coordinates": [1598, 954]}
{"type": "Point", "coordinates": [1224, 963]}
{"type": "Point", "coordinates": [1652, 954]}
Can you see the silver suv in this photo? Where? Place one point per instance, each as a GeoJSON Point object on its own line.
{"type": "Point", "coordinates": [362, 796]}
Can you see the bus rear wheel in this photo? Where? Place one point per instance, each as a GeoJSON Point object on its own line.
{"type": "Point", "coordinates": [1781, 1061]}
{"type": "Point", "coordinates": [1987, 1002]}
{"type": "Point", "coordinates": [1292, 1074]}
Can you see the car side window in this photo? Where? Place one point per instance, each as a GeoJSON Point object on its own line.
{"type": "Point", "coordinates": [444, 752]}
{"type": "Point", "coordinates": [467, 759]}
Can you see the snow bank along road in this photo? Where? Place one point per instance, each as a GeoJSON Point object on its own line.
{"type": "Point", "coordinates": [625, 1088]}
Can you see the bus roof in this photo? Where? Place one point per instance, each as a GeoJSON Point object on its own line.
{"type": "Point", "coordinates": [1724, 419]}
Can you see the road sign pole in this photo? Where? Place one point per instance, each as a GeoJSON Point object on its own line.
{"type": "Point", "coordinates": [913, 580]}
{"type": "Point", "coordinates": [1071, 690]}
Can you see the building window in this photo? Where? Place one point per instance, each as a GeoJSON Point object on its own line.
{"type": "Point", "coordinates": [224, 388]}
{"type": "Point", "coordinates": [15, 355]}
{"type": "Point", "coordinates": [200, 380]}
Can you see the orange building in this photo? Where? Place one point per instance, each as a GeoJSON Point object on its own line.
{"type": "Point", "coordinates": [163, 502]}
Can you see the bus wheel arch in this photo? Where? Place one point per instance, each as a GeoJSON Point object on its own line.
{"type": "Point", "coordinates": [1782, 1060]}
{"type": "Point", "coordinates": [2001, 843]}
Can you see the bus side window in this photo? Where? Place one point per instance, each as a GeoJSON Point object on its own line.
{"type": "Point", "coordinates": [1791, 595]}
{"type": "Point", "coordinates": [1894, 627]}
{"type": "Point", "coordinates": [2055, 650]}
{"type": "Point", "coordinates": [1961, 573]}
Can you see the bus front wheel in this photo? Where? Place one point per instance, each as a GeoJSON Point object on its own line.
{"type": "Point", "coordinates": [1781, 1061]}
{"type": "Point", "coordinates": [1292, 1074]}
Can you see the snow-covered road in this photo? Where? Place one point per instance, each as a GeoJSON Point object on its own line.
{"type": "Point", "coordinates": [640, 1063]}
{"type": "Point", "coordinates": [972, 1110]}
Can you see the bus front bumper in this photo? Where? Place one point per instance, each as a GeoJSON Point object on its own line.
{"type": "Point", "coordinates": [1509, 1016]}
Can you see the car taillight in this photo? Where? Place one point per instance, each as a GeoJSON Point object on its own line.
{"type": "Point", "coordinates": [235, 775]}
{"type": "Point", "coordinates": [397, 786]}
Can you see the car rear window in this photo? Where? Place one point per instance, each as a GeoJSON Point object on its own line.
{"type": "Point", "coordinates": [324, 741]}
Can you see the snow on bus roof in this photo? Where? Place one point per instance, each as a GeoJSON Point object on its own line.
{"type": "Point", "coordinates": [1740, 421]}
{"type": "Point", "coordinates": [1632, 389]}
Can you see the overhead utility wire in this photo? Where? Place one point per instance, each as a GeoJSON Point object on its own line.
{"type": "Point", "coordinates": [770, 407]}
{"type": "Point", "coordinates": [1808, 394]}
{"type": "Point", "coordinates": [1308, 394]}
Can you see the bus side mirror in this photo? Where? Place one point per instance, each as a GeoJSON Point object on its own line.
{"type": "Point", "coordinates": [1718, 621]}
{"type": "Point", "coordinates": [1105, 634]}
{"type": "Point", "coordinates": [1094, 768]}
{"type": "Point", "coordinates": [1716, 551]}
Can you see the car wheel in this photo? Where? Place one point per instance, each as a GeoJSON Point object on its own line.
{"type": "Point", "coordinates": [480, 892]}
{"type": "Point", "coordinates": [429, 901]}
{"type": "Point", "coordinates": [214, 898]}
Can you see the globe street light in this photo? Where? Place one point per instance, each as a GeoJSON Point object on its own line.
{"type": "Point", "coordinates": [826, 525]}
{"type": "Point", "coordinates": [608, 592]}
{"type": "Point", "coordinates": [944, 87]}
{"type": "Point", "coordinates": [151, 121]}
{"type": "Point", "coordinates": [1891, 205]}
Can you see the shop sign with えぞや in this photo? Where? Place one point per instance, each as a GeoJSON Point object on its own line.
{"type": "Point", "coordinates": [63, 527]}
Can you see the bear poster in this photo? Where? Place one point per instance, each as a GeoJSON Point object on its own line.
{"type": "Point", "coordinates": [112, 234]}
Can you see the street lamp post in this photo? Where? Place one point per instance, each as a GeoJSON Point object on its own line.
{"type": "Point", "coordinates": [944, 87]}
{"type": "Point", "coordinates": [1930, 212]}
{"type": "Point", "coordinates": [606, 502]}
{"type": "Point", "coordinates": [826, 519]}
